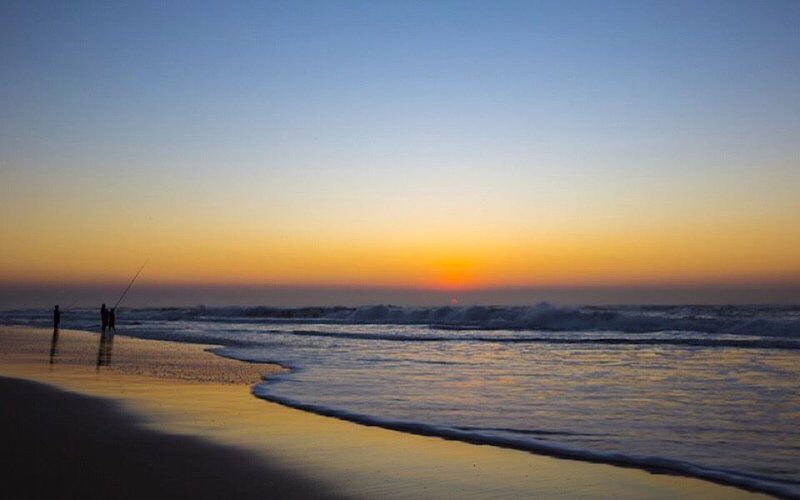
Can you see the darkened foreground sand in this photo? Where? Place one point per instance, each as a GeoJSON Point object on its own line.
{"type": "Point", "coordinates": [63, 445]}
{"type": "Point", "coordinates": [182, 416]}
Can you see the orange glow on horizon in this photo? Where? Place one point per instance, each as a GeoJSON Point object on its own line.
{"type": "Point", "coordinates": [635, 259]}
{"type": "Point", "coordinates": [204, 245]}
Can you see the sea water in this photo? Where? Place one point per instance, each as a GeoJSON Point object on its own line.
{"type": "Point", "coordinates": [712, 392]}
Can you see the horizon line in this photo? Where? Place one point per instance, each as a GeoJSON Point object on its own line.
{"type": "Point", "coordinates": [655, 284]}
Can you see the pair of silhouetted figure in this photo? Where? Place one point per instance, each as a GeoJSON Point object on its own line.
{"type": "Point", "coordinates": [108, 322]}
{"type": "Point", "coordinates": [108, 318]}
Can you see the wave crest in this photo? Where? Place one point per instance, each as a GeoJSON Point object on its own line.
{"type": "Point", "coordinates": [769, 321]}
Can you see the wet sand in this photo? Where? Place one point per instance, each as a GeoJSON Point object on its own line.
{"type": "Point", "coordinates": [198, 406]}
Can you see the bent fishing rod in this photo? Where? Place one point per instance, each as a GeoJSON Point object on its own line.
{"type": "Point", "coordinates": [131, 283]}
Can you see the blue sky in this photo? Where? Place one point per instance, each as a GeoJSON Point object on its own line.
{"type": "Point", "coordinates": [485, 131]}
{"type": "Point", "coordinates": [453, 79]}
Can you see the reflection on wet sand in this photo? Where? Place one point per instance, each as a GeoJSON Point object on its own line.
{"type": "Point", "coordinates": [104, 349]}
{"type": "Point", "coordinates": [54, 346]}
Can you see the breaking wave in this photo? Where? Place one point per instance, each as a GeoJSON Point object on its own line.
{"type": "Point", "coordinates": [773, 321]}
{"type": "Point", "coordinates": [754, 343]}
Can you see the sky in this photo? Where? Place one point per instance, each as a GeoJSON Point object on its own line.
{"type": "Point", "coordinates": [453, 147]}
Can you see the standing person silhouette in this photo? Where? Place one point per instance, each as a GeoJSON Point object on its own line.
{"type": "Point", "coordinates": [104, 317]}
{"type": "Point", "coordinates": [56, 318]}
{"type": "Point", "coordinates": [112, 319]}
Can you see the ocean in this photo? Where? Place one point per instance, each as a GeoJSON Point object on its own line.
{"type": "Point", "coordinates": [705, 391]}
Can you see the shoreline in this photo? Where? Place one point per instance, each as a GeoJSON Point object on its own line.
{"type": "Point", "coordinates": [211, 400]}
{"type": "Point", "coordinates": [652, 465]}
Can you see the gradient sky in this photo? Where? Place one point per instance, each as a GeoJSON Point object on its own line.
{"type": "Point", "coordinates": [450, 145]}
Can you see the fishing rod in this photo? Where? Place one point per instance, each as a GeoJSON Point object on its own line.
{"type": "Point", "coordinates": [131, 283]}
{"type": "Point", "coordinates": [70, 306]}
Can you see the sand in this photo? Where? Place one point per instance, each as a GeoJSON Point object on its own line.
{"type": "Point", "coordinates": [63, 445]}
{"type": "Point", "coordinates": [199, 403]}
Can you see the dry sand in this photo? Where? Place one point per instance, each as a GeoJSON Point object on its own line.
{"type": "Point", "coordinates": [167, 392]}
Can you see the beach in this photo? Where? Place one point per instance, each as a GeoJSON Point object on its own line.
{"type": "Point", "coordinates": [63, 445]}
{"type": "Point", "coordinates": [183, 421]}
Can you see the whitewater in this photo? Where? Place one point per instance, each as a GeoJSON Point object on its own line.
{"type": "Point", "coordinates": [705, 391]}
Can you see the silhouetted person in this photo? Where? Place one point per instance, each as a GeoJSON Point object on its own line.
{"type": "Point", "coordinates": [112, 319]}
{"type": "Point", "coordinates": [104, 317]}
{"type": "Point", "coordinates": [54, 340]}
